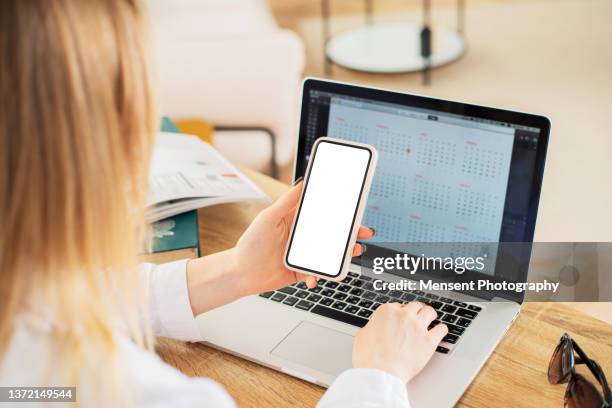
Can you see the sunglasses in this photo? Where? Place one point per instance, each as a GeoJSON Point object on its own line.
{"type": "Point", "coordinates": [580, 393]}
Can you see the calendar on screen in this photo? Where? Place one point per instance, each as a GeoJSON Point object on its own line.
{"type": "Point", "coordinates": [435, 181]}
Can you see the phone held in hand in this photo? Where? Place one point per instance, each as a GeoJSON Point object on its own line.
{"type": "Point", "coordinates": [336, 188]}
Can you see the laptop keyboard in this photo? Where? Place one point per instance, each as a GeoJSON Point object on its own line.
{"type": "Point", "coordinates": [354, 300]}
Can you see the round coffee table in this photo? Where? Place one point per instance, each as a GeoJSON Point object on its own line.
{"type": "Point", "coordinates": [394, 47]}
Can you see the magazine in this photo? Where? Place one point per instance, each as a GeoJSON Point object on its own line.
{"type": "Point", "coordinates": [187, 173]}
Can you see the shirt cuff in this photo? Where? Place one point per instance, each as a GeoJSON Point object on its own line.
{"type": "Point", "coordinates": [366, 387]}
{"type": "Point", "coordinates": [171, 314]}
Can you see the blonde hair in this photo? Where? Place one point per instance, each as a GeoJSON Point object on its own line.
{"type": "Point", "coordinates": [77, 121]}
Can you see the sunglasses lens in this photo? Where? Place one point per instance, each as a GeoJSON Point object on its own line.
{"type": "Point", "coordinates": [581, 393]}
{"type": "Point", "coordinates": [559, 367]}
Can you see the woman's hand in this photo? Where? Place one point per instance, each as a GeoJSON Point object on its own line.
{"type": "Point", "coordinates": [260, 251]}
{"type": "Point", "coordinates": [396, 339]}
{"type": "Point", "coordinates": [255, 264]}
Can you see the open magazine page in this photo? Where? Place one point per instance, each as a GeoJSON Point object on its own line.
{"type": "Point", "coordinates": [187, 173]}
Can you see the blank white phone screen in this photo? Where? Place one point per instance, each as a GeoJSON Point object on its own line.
{"type": "Point", "coordinates": [328, 208]}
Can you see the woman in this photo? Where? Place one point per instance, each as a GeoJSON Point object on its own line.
{"type": "Point", "coordinates": [76, 127]}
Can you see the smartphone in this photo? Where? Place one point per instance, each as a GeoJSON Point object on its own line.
{"type": "Point", "coordinates": [336, 188]}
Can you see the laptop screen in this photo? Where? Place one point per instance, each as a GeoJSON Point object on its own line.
{"type": "Point", "coordinates": [443, 175]}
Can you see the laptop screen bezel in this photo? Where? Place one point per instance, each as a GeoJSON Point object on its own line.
{"type": "Point", "coordinates": [443, 106]}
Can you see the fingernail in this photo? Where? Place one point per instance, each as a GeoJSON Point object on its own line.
{"type": "Point", "coordinates": [364, 248]}
{"type": "Point", "coordinates": [297, 181]}
{"type": "Point", "coordinates": [373, 231]}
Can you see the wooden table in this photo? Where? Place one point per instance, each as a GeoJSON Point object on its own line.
{"type": "Point", "coordinates": [515, 375]}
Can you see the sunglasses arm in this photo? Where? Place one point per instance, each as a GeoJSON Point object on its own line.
{"type": "Point", "coordinates": [596, 370]}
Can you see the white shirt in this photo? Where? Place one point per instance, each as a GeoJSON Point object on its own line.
{"type": "Point", "coordinates": [152, 383]}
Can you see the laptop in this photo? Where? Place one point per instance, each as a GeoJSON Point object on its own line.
{"type": "Point", "coordinates": [428, 150]}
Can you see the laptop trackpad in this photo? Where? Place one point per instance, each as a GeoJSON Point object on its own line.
{"type": "Point", "coordinates": [317, 347]}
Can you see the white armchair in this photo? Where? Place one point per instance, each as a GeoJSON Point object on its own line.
{"type": "Point", "coordinates": [228, 62]}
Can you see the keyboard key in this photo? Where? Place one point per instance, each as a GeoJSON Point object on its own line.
{"type": "Point", "coordinates": [302, 294]}
{"type": "Point", "coordinates": [365, 278]}
{"type": "Point", "coordinates": [464, 322]}
{"type": "Point", "coordinates": [304, 305]}
{"type": "Point", "coordinates": [322, 281]}
{"type": "Point", "coordinates": [357, 282]}
{"type": "Point", "coordinates": [460, 304]}
{"type": "Point", "coordinates": [423, 300]}
{"type": "Point", "coordinates": [277, 297]}
{"type": "Point", "coordinates": [266, 294]}
{"type": "Point", "coordinates": [369, 295]}
{"type": "Point", "coordinates": [365, 303]}
{"type": "Point", "coordinates": [331, 284]}
{"type": "Point", "coordinates": [383, 291]}
{"type": "Point", "coordinates": [419, 292]}
{"type": "Point", "coordinates": [408, 297]}
{"type": "Point", "coordinates": [442, 350]}
{"type": "Point", "coordinates": [432, 296]}
{"type": "Point", "coordinates": [433, 324]}
{"type": "Point", "coordinates": [316, 289]}
{"type": "Point", "coordinates": [328, 292]}
{"type": "Point", "coordinates": [448, 318]}
{"type": "Point", "coordinates": [351, 309]}
{"type": "Point", "coordinates": [456, 330]}
{"type": "Point", "coordinates": [446, 300]}
{"type": "Point", "coordinates": [290, 301]}
{"type": "Point", "coordinates": [348, 279]}
{"type": "Point", "coordinates": [326, 301]}
{"type": "Point", "coordinates": [340, 296]}
{"type": "Point", "coordinates": [374, 306]}
{"type": "Point", "coordinates": [395, 294]}
{"type": "Point", "coordinates": [344, 288]}
{"type": "Point", "coordinates": [436, 305]}
{"type": "Point", "coordinates": [301, 285]}
{"type": "Point", "coordinates": [475, 308]}
{"type": "Point", "coordinates": [340, 316]}
{"type": "Point", "coordinates": [449, 308]}
{"type": "Point", "coordinates": [356, 291]}
{"type": "Point", "coordinates": [382, 299]}
{"type": "Point", "coordinates": [339, 305]}
{"type": "Point", "coordinates": [288, 290]}
{"type": "Point", "coordinates": [314, 298]}
{"type": "Point", "coordinates": [368, 286]}
{"type": "Point", "coordinates": [450, 338]}
{"type": "Point", "coordinates": [353, 300]}
{"type": "Point", "coordinates": [468, 314]}
{"type": "Point", "coordinates": [365, 313]}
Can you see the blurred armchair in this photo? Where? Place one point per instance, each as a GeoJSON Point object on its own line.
{"type": "Point", "coordinates": [228, 62]}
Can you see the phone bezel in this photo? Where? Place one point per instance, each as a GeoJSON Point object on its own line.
{"type": "Point", "coordinates": [357, 214]}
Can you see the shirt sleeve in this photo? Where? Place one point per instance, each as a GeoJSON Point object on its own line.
{"type": "Point", "coordinates": [168, 297]}
{"type": "Point", "coordinates": [365, 387]}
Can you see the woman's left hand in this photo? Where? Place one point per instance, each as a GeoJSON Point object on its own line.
{"type": "Point", "coordinates": [255, 264]}
{"type": "Point", "coordinates": [260, 251]}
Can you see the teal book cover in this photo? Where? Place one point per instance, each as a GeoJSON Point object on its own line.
{"type": "Point", "coordinates": [177, 232]}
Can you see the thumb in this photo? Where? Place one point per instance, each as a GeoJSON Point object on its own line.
{"type": "Point", "coordinates": [287, 201]}
{"type": "Point", "coordinates": [437, 333]}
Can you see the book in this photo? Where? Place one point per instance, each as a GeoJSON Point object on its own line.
{"type": "Point", "coordinates": [174, 238]}
{"type": "Point", "coordinates": [187, 173]}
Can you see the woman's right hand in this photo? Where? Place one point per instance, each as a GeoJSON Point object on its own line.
{"type": "Point", "coordinates": [396, 339]}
